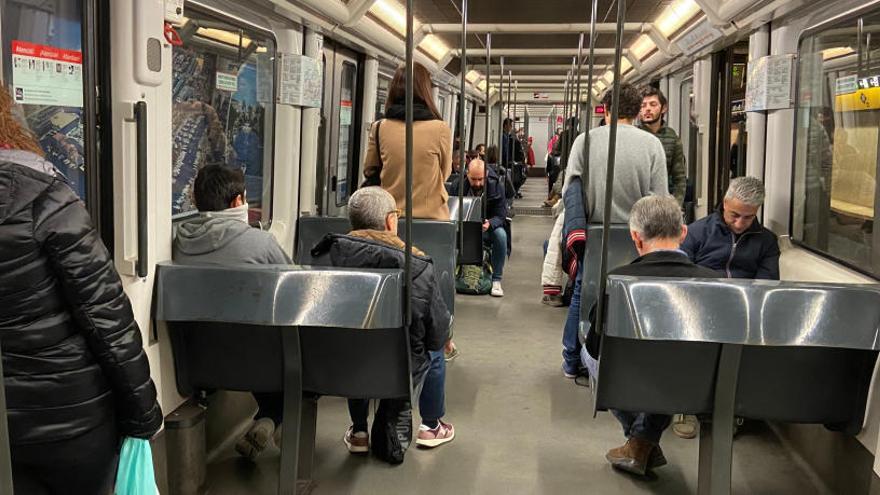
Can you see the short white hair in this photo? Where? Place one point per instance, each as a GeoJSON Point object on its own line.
{"type": "Point", "coordinates": [369, 207]}
{"type": "Point", "coordinates": [656, 217]}
{"type": "Point", "coordinates": [748, 189]}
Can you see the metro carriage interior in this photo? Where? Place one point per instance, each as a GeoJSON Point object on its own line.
{"type": "Point", "coordinates": [781, 374]}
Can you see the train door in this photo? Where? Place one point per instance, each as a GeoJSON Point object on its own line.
{"type": "Point", "coordinates": [50, 53]}
{"type": "Point", "coordinates": [689, 134]}
{"type": "Point", "coordinates": [338, 142]}
{"type": "Point", "coordinates": [729, 139]}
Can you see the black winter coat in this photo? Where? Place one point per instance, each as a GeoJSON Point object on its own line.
{"type": "Point", "coordinates": [72, 352]}
{"type": "Point", "coordinates": [431, 320]}
{"type": "Point", "coordinates": [752, 254]}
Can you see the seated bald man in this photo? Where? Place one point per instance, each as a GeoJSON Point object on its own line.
{"type": "Point", "coordinates": [479, 177]}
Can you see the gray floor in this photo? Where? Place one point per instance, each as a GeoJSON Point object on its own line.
{"type": "Point", "coordinates": [521, 427]}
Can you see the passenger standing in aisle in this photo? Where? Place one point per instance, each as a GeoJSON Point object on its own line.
{"type": "Point", "coordinates": [76, 376]}
{"type": "Point", "coordinates": [653, 113]}
{"type": "Point", "coordinates": [374, 243]}
{"type": "Point", "coordinates": [220, 235]}
{"type": "Point", "coordinates": [639, 170]}
{"type": "Point", "coordinates": [655, 225]}
{"type": "Point", "coordinates": [494, 232]}
{"type": "Point", "coordinates": [385, 163]}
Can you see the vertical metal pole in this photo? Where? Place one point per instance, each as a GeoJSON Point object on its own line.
{"type": "Point", "coordinates": [609, 173]}
{"type": "Point", "coordinates": [409, 161]}
{"type": "Point", "coordinates": [511, 137]}
{"type": "Point", "coordinates": [5, 454]}
{"type": "Point", "coordinates": [461, 126]}
{"type": "Point", "coordinates": [501, 114]}
{"type": "Point", "coordinates": [564, 137]}
{"type": "Point", "coordinates": [585, 175]}
{"type": "Point", "coordinates": [580, 64]}
{"type": "Point", "coordinates": [488, 115]}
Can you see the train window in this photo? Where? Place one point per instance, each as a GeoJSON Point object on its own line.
{"type": "Point", "coordinates": [835, 192]}
{"type": "Point", "coordinates": [43, 70]}
{"type": "Point", "coordinates": [345, 152]}
{"type": "Point", "coordinates": [223, 91]}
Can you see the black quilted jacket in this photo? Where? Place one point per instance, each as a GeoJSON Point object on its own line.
{"type": "Point", "coordinates": [72, 352]}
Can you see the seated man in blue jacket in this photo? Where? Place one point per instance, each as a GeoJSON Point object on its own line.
{"type": "Point", "coordinates": [731, 240]}
{"type": "Point", "coordinates": [496, 214]}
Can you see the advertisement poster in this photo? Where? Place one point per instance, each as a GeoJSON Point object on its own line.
{"type": "Point", "coordinates": [46, 75]}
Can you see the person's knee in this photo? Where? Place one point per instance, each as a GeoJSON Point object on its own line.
{"type": "Point", "coordinates": [500, 235]}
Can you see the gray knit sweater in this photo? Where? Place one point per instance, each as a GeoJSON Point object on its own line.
{"type": "Point", "coordinates": [639, 170]}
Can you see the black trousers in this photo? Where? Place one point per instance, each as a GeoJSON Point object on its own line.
{"type": "Point", "coordinates": [82, 465]}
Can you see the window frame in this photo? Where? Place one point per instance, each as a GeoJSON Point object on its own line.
{"type": "Point", "coordinates": [840, 20]}
{"type": "Point", "coordinates": [268, 33]}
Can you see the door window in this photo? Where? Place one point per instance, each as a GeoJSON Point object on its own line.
{"type": "Point", "coordinates": [345, 152]}
{"type": "Point", "coordinates": [43, 71]}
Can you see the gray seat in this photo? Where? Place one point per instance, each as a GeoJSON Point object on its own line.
{"type": "Point", "coordinates": [435, 237]}
{"type": "Point", "coordinates": [296, 330]}
{"type": "Point", "coordinates": [764, 350]}
{"type": "Point", "coordinates": [471, 252]}
{"type": "Point", "coordinates": [621, 251]}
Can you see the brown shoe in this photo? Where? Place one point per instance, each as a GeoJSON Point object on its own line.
{"type": "Point", "coordinates": [632, 457]}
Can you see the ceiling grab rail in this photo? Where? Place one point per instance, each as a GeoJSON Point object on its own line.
{"type": "Point", "coordinates": [488, 121]}
{"type": "Point", "coordinates": [609, 175]}
{"type": "Point", "coordinates": [461, 127]}
{"type": "Point", "coordinates": [585, 176]}
{"type": "Point", "coordinates": [409, 164]}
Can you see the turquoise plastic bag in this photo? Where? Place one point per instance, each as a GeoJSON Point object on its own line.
{"type": "Point", "coordinates": [135, 473]}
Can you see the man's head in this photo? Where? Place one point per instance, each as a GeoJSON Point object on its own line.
{"type": "Point", "coordinates": [654, 105]}
{"type": "Point", "coordinates": [558, 131]}
{"type": "Point", "coordinates": [373, 208]}
{"type": "Point", "coordinates": [217, 188]}
{"type": "Point", "coordinates": [508, 123]}
{"type": "Point", "coordinates": [655, 223]}
{"type": "Point", "coordinates": [629, 106]}
{"type": "Point", "coordinates": [744, 198]}
{"type": "Point", "coordinates": [481, 149]}
{"type": "Point", "coordinates": [456, 160]}
{"type": "Point", "coordinates": [475, 174]}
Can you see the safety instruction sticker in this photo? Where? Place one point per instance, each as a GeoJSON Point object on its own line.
{"type": "Point", "coordinates": [846, 85]}
{"type": "Point", "coordinates": [301, 80]}
{"type": "Point", "coordinates": [227, 81]}
{"type": "Point", "coordinates": [345, 113]}
{"type": "Point", "coordinates": [46, 75]}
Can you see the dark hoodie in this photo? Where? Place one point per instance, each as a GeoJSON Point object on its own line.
{"type": "Point", "coordinates": [431, 320]}
{"type": "Point", "coordinates": [72, 352]}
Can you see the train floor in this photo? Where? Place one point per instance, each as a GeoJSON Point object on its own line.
{"type": "Point", "coordinates": [521, 427]}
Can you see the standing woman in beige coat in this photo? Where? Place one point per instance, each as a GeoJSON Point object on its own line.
{"type": "Point", "coordinates": [432, 148]}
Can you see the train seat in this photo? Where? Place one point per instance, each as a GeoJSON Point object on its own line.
{"type": "Point", "coordinates": [722, 348]}
{"type": "Point", "coordinates": [435, 237]}
{"type": "Point", "coordinates": [471, 252]}
{"type": "Point", "coordinates": [303, 331]}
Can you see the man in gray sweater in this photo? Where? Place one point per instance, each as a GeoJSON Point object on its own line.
{"type": "Point", "coordinates": [639, 171]}
{"type": "Point", "coordinates": [220, 235]}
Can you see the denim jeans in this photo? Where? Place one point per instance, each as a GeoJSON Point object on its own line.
{"type": "Point", "coordinates": [431, 395]}
{"type": "Point", "coordinates": [571, 355]}
{"type": "Point", "coordinates": [498, 239]}
{"type": "Point", "coordinates": [644, 426]}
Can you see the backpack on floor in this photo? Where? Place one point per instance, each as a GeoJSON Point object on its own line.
{"type": "Point", "coordinates": [474, 279]}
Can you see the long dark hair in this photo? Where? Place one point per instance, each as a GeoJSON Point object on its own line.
{"type": "Point", "coordinates": [422, 89]}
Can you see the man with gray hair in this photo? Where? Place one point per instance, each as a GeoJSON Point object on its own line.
{"type": "Point", "coordinates": [373, 243]}
{"type": "Point", "coordinates": [655, 224]}
{"type": "Point", "coordinates": [731, 239]}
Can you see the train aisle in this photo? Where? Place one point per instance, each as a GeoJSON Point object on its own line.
{"type": "Point", "coordinates": [521, 427]}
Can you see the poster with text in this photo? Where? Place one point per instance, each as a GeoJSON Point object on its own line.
{"type": "Point", "coordinates": [46, 75]}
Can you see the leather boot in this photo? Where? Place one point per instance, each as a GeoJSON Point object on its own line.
{"type": "Point", "coordinates": [632, 457]}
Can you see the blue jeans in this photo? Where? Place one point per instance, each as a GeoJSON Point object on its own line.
{"type": "Point", "coordinates": [498, 239]}
{"type": "Point", "coordinates": [644, 426]}
{"type": "Point", "coordinates": [571, 355]}
{"type": "Point", "coordinates": [431, 394]}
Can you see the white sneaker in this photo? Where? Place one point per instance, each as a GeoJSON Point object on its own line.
{"type": "Point", "coordinates": [497, 291]}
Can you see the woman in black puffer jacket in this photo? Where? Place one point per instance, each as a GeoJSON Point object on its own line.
{"type": "Point", "coordinates": [76, 376]}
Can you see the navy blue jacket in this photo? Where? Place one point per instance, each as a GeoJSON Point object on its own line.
{"type": "Point", "coordinates": [496, 202]}
{"type": "Point", "coordinates": [574, 229]}
{"type": "Point", "coordinates": [754, 254]}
